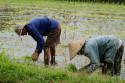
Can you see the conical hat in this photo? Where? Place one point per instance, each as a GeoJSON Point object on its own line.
{"type": "Point", "coordinates": [75, 46]}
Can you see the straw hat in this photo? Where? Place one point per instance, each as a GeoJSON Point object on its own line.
{"type": "Point", "coordinates": [75, 46]}
{"type": "Point", "coordinates": [18, 28]}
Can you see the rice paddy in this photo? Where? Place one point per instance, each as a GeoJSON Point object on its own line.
{"type": "Point", "coordinates": [77, 19]}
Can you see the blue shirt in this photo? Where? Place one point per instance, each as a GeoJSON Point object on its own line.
{"type": "Point", "coordinates": [40, 27]}
{"type": "Point", "coordinates": [100, 49]}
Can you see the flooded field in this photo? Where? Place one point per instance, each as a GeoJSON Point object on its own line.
{"type": "Point", "coordinates": [78, 20]}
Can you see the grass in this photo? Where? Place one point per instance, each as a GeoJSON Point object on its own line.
{"type": "Point", "coordinates": [13, 71]}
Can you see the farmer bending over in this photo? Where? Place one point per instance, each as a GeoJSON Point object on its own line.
{"type": "Point", "coordinates": [105, 49]}
{"type": "Point", "coordinates": [38, 28]}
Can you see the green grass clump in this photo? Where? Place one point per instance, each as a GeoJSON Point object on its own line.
{"type": "Point", "coordinates": [81, 77]}
{"type": "Point", "coordinates": [12, 71]}
{"type": "Point", "coordinates": [27, 58]}
{"type": "Point", "coordinates": [71, 67]}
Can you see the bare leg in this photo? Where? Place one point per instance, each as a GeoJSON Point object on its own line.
{"type": "Point", "coordinates": [53, 53]}
{"type": "Point", "coordinates": [46, 55]}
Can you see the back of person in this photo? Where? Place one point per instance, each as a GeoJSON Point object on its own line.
{"type": "Point", "coordinates": [106, 42]}
{"type": "Point", "coordinates": [101, 43]}
{"type": "Point", "coordinates": [42, 25]}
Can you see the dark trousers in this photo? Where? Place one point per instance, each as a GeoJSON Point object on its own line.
{"type": "Point", "coordinates": [114, 67]}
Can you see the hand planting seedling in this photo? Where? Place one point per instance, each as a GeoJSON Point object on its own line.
{"type": "Point", "coordinates": [27, 58]}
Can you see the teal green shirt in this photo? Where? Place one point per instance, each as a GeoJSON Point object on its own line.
{"type": "Point", "coordinates": [99, 49]}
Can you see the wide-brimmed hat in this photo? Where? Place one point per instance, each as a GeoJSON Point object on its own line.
{"type": "Point", "coordinates": [18, 28]}
{"type": "Point", "coordinates": [75, 46]}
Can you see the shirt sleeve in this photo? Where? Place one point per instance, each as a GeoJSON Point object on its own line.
{"type": "Point", "coordinates": [39, 39]}
{"type": "Point", "coordinates": [40, 42]}
{"type": "Point", "coordinates": [93, 55]}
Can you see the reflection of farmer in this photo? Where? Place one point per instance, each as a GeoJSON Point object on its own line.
{"type": "Point", "coordinates": [38, 28]}
{"type": "Point", "coordinates": [106, 49]}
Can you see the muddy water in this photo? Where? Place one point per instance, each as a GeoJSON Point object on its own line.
{"type": "Point", "coordinates": [19, 47]}
{"type": "Point", "coordinates": [73, 28]}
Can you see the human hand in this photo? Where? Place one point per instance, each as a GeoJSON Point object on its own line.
{"type": "Point", "coordinates": [35, 56]}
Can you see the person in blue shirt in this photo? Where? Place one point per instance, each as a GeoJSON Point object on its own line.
{"type": "Point", "coordinates": [105, 49]}
{"type": "Point", "coordinates": [38, 28]}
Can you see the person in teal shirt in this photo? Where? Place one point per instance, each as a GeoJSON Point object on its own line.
{"type": "Point", "coordinates": [105, 49]}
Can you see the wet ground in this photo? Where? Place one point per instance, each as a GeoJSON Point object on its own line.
{"type": "Point", "coordinates": [20, 47]}
{"type": "Point", "coordinates": [74, 26]}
